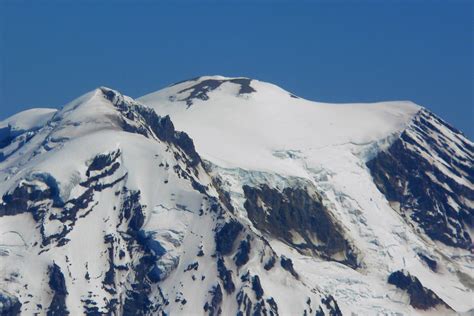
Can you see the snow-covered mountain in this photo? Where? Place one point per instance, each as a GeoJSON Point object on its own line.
{"type": "Point", "coordinates": [233, 196]}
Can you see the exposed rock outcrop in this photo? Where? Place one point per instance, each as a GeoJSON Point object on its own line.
{"type": "Point", "coordinates": [428, 176]}
{"type": "Point", "coordinates": [300, 219]}
{"type": "Point", "coordinates": [420, 297]}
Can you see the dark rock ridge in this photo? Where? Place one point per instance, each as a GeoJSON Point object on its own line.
{"type": "Point", "coordinates": [202, 88]}
{"type": "Point", "coordinates": [294, 210]}
{"type": "Point", "coordinates": [254, 303]}
{"type": "Point", "coordinates": [270, 263]}
{"type": "Point", "coordinates": [145, 272]}
{"type": "Point", "coordinates": [6, 136]}
{"type": "Point", "coordinates": [22, 199]}
{"type": "Point", "coordinates": [12, 140]}
{"type": "Point", "coordinates": [225, 276]}
{"type": "Point", "coordinates": [287, 264]}
{"type": "Point", "coordinates": [213, 307]}
{"type": "Point", "coordinates": [226, 236]}
{"type": "Point", "coordinates": [431, 263]}
{"type": "Point", "coordinates": [9, 305]}
{"type": "Point", "coordinates": [420, 297]}
{"type": "Point", "coordinates": [242, 255]}
{"type": "Point", "coordinates": [420, 172]}
{"type": "Point", "coordinates": [151, 125]}
{"type": "Point", "coordinates": [57, 284]}
{"type": "Point", "coordinates": [257, 287]}
{"type": "Point", "coordinates": [331, 305]}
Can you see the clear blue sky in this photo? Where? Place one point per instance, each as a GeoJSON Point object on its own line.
{"type": "Point", "coordinates": [347, 51]}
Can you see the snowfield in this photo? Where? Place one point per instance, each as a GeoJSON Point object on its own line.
{"type": "Point", "coordinates": [264, 204]}
{"type": "Point", "coordinates": [249, 130]}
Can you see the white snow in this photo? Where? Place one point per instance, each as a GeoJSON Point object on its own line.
{"type": "Point", "coordinates": [233, 131]}
{"type": "Point", "coordinates": [29, 119]}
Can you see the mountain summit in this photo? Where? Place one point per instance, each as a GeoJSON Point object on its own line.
{"type": "Point", "coordinates": [246, 129]}
{"type": "Point", "coordinates": [223, 196]}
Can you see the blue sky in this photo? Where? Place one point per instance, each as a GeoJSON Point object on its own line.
{"type": "Point", "coordinates": [342, 51]}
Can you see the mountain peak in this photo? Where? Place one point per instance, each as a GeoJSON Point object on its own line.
{"type": "Point", "coordinates": [207, 77]}
{"type": "Point", "coordinates": [296, 207]}
{"type": "Point", "coordinates": [201, 88]}
{"type": "Point", "coordinates": [246, 116]}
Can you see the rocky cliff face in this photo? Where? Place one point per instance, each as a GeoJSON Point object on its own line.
{"type": "Point", "coordinates": [300, 219]}
{"type": "Point", "coordinates": [428, 176]}
{"type": "Point", "coordinates": [420, 297]}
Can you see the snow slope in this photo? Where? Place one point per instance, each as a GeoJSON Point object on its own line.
{"type": "Point", "coordinates": [28, 119]}
{"type": "Point", "coordinates": [250, 130]}
{"type": "Point", "coordinates": [267, 136]}
{"type": "Point", "coordinates": [24, 123]}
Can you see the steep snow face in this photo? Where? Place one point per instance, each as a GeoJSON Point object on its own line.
{"type": "Point", "coordinates": [107, 209]}
{"type": "Point", "coordinates": [253, 129]}
{"type": "Point", "coordinates": [279, 156]}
